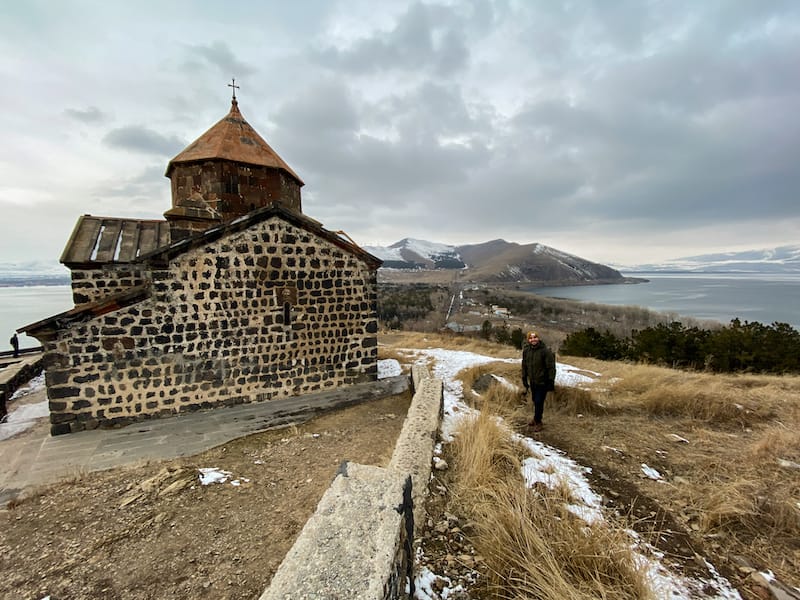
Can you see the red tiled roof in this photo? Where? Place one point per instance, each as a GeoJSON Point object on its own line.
{"type": "Point", "coordinates": [232, 138]}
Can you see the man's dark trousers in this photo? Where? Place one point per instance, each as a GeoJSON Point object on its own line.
{"type": "Point", "coordinates": [539, 393]}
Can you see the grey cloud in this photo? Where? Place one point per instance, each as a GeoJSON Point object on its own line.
{"type": "Point", "coordinates": [326, 109]}
{"type": "Point", "coordinates": [89, 115]}
{"type": "Point", "coordinates": [221, 56]}
{"type": "Point", "coordinates": [145, 194]}
{"type": "Point", "coordinates": [141, 139]}
{"type": "Point", "coordinates": [325, 129]}
{"type": "Point", "coordinates": [425, 38]}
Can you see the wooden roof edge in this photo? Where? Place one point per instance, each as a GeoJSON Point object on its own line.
{"type": "Point", "coordinates": [96, 308]}
{"type": "Point", "coordinates": [94, 264]}
{"type": "Point", "coordinates": [71, 240]}
{"type": "Point", "coordinates": [160, 256]}
{"type": "Point", "coordinates": [280, 167]}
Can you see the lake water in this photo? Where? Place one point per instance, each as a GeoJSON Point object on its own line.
{"type": "Point", "coordinates": [765, 299]}
{"type": "Point", "coordinates": [20, 306]}
{"type": "Point", "coordinates": [762, 298]}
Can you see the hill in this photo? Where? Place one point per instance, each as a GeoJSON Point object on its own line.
{"type": "Point", "coordinates": [781, 260]}
{"type": "Point", "coordinates": [496, 261]}
{"type": "Point", "coordinates": [33, 273]}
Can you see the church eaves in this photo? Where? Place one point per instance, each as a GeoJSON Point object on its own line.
{"type": "Point", "coordinates": [233, 139]}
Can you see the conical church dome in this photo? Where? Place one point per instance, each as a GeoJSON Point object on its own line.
{"type": "Point", "coordinates": [226, 173]}
{"type": "Point", "coordinates": [232, 138]}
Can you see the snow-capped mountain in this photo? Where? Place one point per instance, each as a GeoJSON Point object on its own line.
{"type": "Point", "coordinates": [409, 253]}
{"type": "Point", "coordinates": [33, 273]}
{"type": "Point", "coordinates": [496, 261]}
{"type": "Point", "coordinates": [780, 260]}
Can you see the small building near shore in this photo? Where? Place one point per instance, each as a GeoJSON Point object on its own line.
{"type": "Point", "coordinates": [236, 296]}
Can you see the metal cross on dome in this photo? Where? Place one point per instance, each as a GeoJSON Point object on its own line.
{"type": "Point", "coordinates": [233, 85]}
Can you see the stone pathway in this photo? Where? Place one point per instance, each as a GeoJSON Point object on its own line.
{"type": "Point", "coordinates": [36, 458]}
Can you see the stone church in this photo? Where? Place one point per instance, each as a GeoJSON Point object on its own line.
{"type": "Point", "coordinates": [236, 296]}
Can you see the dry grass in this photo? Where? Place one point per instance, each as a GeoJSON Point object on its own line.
{"type": "Point", "coordinates": [743, 485]}
{"type": "Point", "coordinates": [448, 341]}
{"type": "Point", "coordinates": [512, 405]}
{"type": "Point", "coordinates": [718, 399]}
{"type": "Point", "coordinates": [534, 547]}
{"type": "Point", "coordinates": [727, 446]}
{"type": "Point", "coordinates": [777, 443]}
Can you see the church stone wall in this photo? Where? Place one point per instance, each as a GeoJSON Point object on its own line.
{"type": "Point", "coordinates": [89, 285]}
{"type": "Point", "coordinates": [235, 189]}
{"type": "Point", "coordinates": [268, 312]}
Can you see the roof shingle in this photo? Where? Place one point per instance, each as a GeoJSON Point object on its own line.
{"type": "Point", "coordinates": [232, 138]}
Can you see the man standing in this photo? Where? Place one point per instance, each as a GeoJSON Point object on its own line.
{"type": "Point", "coordinates": [15, 344]}
{"type": "Point", "coordinates": [538, 373]}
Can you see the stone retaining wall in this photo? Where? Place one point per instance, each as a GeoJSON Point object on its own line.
{"type": "Point", "coordinates": [358, 543]}
{"type": "Point", "coordinates": [14, 375]}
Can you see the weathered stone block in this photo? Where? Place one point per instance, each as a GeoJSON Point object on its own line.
{"type": "Point", "coordinates": [63, 392]}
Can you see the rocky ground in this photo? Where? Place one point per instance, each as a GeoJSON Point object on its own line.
{"type": "Point", "coordinates": [154, 531]}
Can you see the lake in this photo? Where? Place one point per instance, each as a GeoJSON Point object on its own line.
{"type": "Point", "coordinates": [723, 297]}
{"type": "Point", "coordinates": [20, 306]}
{"type": "Point", "coordinates": [765, 298]}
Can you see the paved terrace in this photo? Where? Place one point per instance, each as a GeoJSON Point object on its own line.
{"type": "Point", "coordinates": [35, 458]}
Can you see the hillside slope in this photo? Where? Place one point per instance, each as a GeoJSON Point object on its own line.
{"type": "Point", "coordinates": [495, 261]}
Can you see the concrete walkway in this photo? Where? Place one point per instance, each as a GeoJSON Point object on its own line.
{"type": "Point", "coordinates": [36, 458]}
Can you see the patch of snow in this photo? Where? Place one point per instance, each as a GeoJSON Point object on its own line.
{"type": "Point", "coordinates": [423, 584]}
{"type": "Point", "coordinates": [22, 418]}
{"type": "Point", "coordinates": [34, 385]}
{"type": "Point", "coordinates": [389, 367]}
{"type": "Point", "coordinates": [504, 382]}
{"type": "Point", "coordinates": [566, 375]}
{"type": "Point", "coordinates": [384, 253]}
{"type": "Point", "coordinates": [552, 467]}
{"type": "Point", "coordinates": [651, 473]}
{"type": "Point", "coordinates": [448, 363]}
{"type": "Point", "coordinates": [430, 250]}
{"type": "Point", "coordinates": [209, 475]}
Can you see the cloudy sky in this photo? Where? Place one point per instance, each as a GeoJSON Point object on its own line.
{"type": "Point", "coordinates": [623, 131]}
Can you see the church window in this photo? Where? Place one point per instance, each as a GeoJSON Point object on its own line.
{"type": "Point", "coordinates": [287, 313]}
{"type": "Point", "coordinates": [287, 298]}
{"type": "Point", "coordinates": [232, 184]}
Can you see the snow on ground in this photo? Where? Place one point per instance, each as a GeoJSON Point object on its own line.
{"type": "Point", "coordinates": [551, 467]}
{"type": "Point", "coordinates": [209, 475]}
{"type": "Point", "coordinates": [389, 368]}
{"type": "Point", "coordinates": [21, 417]}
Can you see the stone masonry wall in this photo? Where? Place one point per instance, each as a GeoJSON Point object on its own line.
{"type": "Point", "coordinates": [235, 189]}
{"type": "Point", "coordinates": [267, 312]}
{"type": "Point", "coordinates": [89, 285]}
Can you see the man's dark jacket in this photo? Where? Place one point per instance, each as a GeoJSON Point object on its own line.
{"type": "Point", "coordinates": [538, 365]}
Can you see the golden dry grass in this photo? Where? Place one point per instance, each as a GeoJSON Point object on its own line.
{"type": "Point", "coordinates": [728, 447]}
{"type": "Point", "coordinates": [740, 474]}
{"type": "Point", "coordinates": [448, 341]}
{"type": "Point", "coordinates": [714, 398]}
{"type": "Point", "coordinates": [534, 547]}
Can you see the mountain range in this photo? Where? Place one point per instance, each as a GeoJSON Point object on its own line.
{"type": "Point", "coordinates": [33, 273]}
{"type": "Point", "coordinates": [779, 260]}
{"type": "Point", "coordinates": [497, 261]}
